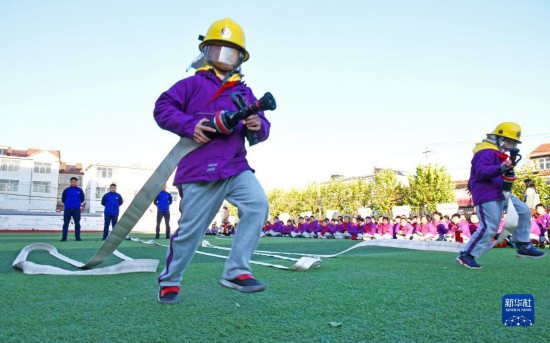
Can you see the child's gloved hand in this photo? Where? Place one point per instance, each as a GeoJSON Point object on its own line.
{"type": "Point", "coordinates": [253, 123]}
{"type": "Point", "coordinates": [198, 133]}
{"type": "Point", "coordinates": [506, 165]}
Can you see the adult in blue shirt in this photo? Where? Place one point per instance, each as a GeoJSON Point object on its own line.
{"type": "Point", "coordinates": [73, 198]}
{"type": "Point", "coordinates": [163, 202]}
{"type": "Point", "coordinates": [112, 201]}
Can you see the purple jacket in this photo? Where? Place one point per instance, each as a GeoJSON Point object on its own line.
{"type": "Point", "coordinates": [485, 181]}
{"type": "Point", "coordinates": [304, 227]}
{"type": "Point", "coordinates": [465, 227]}
{"type": "Point", "coordinates": [535, 228]}
{"type": "Point", "coordinates": [370, 228]}
{"type": "Point", "coordinates": [431, 228]}
{"type": "Point", "coordinates": [405, 230]}
{"type": "Point", "coordinates": [314, 227]}
{"type": "Point", "coordinates": [290, 228]}
{"type": "Point", "coordinates": [385, 229]}
{"type": "Point", "coordinates": [352, 229]}
{"type": "Point", "coordinates": [442, 229]}
{"type": "Point", "coordinates": [543, 221]}
{"type": "Point", "coordinates": [180, 108]}
{"type": "Point", "coordinates": [332, 228]}
{"type": "Point", "coordinates": [278, 227]}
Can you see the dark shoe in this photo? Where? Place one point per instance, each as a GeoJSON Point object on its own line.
{"type": "Point", "coordinates": [244, 283]}
{"type": "Point", "coordinates": [78, 239]}
{"type": "Point", "coordinates": [527, 250]}
{"type": "Point", "coordinates": [467, 261]}
{"type": "Point", "coordinates": [157, 237]}
{"type": "Point", "coordinates": [167, 236]}
{"type": "Point", "coordinates": [63, 240]}
{"type": "Point", "coordinates": [169, 295]}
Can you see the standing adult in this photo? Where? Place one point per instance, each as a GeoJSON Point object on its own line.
{"type": "Point", "coordinates": [112, 201]}
{"type": "Point", "coordinates": [163, 202]}
{"type": "Point", "coordinates": [532, 197]}
{"type": "Point", "coordinates": [225, 216]}
{"type": "Point", "coordinates": [73, 199]}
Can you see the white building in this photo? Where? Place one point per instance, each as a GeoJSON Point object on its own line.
{"type": "Point", "coordinates": [28, 179]}
{"type": "Point", "coordinates": [32, 180]}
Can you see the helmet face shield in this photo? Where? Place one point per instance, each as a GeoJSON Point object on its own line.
{"type": "Point", "coordinates": [504, 144]}
{"type": "Point", "coordinates": [509, 143]}
{"type": "Point", "coordinates": [222, 56]}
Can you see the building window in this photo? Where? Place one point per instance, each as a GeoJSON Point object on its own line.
{"type": "Point", "coordinates": [174, 196]}
{"type": "Point", "coordinates": [9, 164]}
{"type": "Point", "coordinates": [42, 167]}
{"type": "Point", "coordinates": [9, 185]}
{"type": "Point", "coordinates": [544, 163]}
{"type": "Point", "coordinates": [104, 172]}
{"type": "Point", "coordinates": [41, 187]}
{"type": "Point", "coordinates": [100, 192]}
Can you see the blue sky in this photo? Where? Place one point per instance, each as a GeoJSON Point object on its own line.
{"type": "Point", "coordinates": [358, 83]}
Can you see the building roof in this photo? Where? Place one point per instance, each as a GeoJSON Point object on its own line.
{"type": "Point", "coordinates": [9, 151]}
{"type": "Point", "coordinates": [33, 151]}
{"type": "Point", "coordinates": [65, 168]}
{"type": "Point", "coordinates": [541, 150]}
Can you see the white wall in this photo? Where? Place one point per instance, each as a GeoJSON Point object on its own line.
{"type": "Point", "coordinates": [17, 200]}
{"type": "Point", "coordinates": [15, 220]}
{"type": "Point", "coordinates": [45, 201]}
{"type": "Point", "coordinates": [46, 221]}
{"type": "Point", "coordinates": [24, 199]}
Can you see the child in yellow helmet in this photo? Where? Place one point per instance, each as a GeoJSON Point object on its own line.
{"type": "Point", "coordinates": [218, 170]}
{"type": "Point", "coordinates": [486, 184]}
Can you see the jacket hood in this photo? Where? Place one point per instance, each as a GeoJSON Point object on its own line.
{"type": "Point", "coordinates": [484, 145]}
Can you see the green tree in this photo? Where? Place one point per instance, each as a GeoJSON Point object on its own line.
{"type": "Point", "coordinates": [345, 197]}
{"type": "Point", "coordinates": [293, 203]}
{"type": "Point", "coordinates": [430, 185]}
{"type": "Point", "coordinates": [310, 198]}
{"type": "Point", "coordinates": [277, 201]}
{"type": "Point", "coordinates": [387, 191]}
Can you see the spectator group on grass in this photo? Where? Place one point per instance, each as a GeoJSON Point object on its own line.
{"type": "Point", "coordinates": [435, 227]}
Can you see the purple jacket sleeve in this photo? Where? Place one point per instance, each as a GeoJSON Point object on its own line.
{"type": "Point", "coordinates": [486, 166]}
{"type": "Point", "coordinates": [170, 109]}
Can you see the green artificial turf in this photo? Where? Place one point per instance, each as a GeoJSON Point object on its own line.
{"type": "Point", "coordinates": [368, 294]}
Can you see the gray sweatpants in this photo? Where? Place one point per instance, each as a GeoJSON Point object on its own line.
{"type": "Point", "coordinates": [490, 214]}
{"type": "Point", "coordinates": [199, 204]}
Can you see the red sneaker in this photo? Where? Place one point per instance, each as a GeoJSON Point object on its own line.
{"type": "Point", "coordinates": [169, 295]}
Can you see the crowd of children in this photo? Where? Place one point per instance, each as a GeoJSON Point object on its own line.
{"type": "Point", "coordinates": [226, 229]}
{"type": "Point", "coordinates": [437, 227]}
